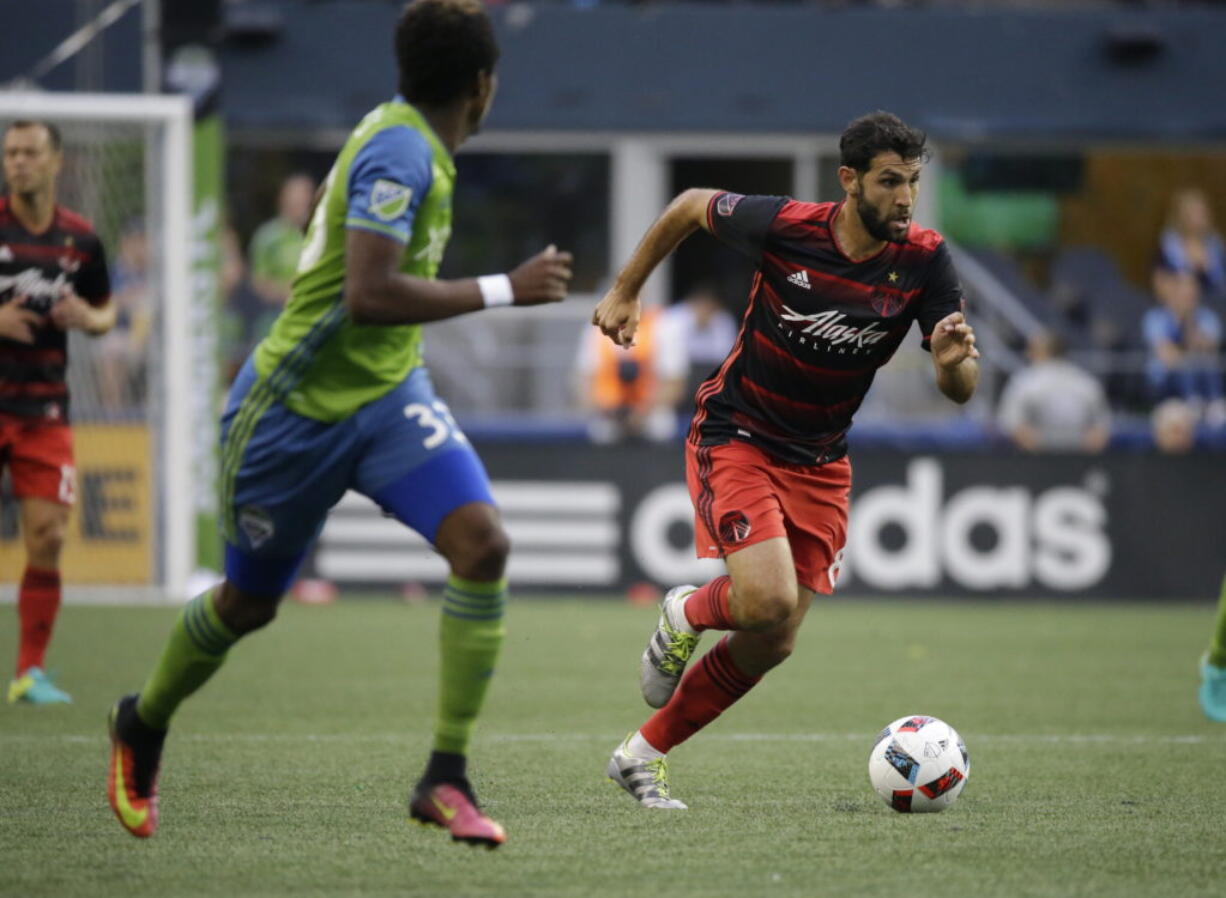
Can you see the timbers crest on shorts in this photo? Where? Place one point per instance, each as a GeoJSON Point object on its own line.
{"type": "Point", "coordinates": [734, 527]}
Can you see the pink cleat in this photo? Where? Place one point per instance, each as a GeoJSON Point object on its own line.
{"type": "Point", "coordinates": [451, 807]}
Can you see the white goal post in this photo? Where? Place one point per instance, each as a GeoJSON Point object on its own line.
{"type": "Point", "coordinates": [128, 168]}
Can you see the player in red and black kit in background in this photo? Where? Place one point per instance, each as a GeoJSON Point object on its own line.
{"type": "Point", "coordinates": [836, 290]}
{"type": "Point", "coordinates": [53, 277]}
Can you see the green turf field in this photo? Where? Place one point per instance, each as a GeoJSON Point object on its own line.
{"type": "Point", "coordinates": [1093, 772]}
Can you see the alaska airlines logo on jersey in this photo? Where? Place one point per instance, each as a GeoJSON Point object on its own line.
{"type": "Point", "coordinates": [389, 200]}
{"type": "Point", "coordinates": [828, 327]}
{"type": "Point", "coordinates": [39, 290]}
{"type": "Point", "coordinates": [728, 202]}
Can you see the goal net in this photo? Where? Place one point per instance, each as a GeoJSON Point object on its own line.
{"type": "Point", "coordinates": [126, 169]}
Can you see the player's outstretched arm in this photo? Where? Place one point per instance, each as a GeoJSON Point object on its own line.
{"type": "Point", "coordinates": [954, 354]}
{"type": "Point", "coordinates": [377, 292]}
{"type": "Point", "coordinates": [617, 314]}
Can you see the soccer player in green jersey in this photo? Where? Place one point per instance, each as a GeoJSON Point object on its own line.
{"type": "Point", "coordinates": [1212, 692]}
{"type": "Point", "coordinates": [336, 398]}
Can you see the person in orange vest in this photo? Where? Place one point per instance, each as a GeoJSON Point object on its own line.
{"type": "Point", "coordinates": [633, 392]}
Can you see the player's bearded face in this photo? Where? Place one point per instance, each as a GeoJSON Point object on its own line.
{"type": "Point", "coordinates": [886, 198]}
{"type": "Point", "coordinates": [877, 222]}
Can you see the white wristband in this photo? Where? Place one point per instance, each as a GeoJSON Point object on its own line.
{"type": "Point", "coordinates": [496, 290]}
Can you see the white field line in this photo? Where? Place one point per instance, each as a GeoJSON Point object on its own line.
{"type": "Point", "coordinates": [866, 738]}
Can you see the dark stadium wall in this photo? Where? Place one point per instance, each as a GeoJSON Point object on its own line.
{"type": "Point", "coordinates": [1103, 74]}
{"type": "Point", "coordinates": [30, 31]}
{"type": "Point", "coordinates": [1113, 74]}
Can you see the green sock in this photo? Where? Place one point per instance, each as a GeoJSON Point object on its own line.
{"type": "Point", "coordinates": [195, 650]}
{"type": "Point", "coordinates": [1217, 648]}
{"type": "Point", "coordinates": [470, 636]}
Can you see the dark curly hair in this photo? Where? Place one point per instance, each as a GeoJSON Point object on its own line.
{"type": "Point", "coordinates": [441, 45]}
{"type": "Point", "coordinates": [880, 132]}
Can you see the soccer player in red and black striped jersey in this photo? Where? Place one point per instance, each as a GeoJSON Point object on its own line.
{"type": "Point", "coordinates": [837, 288]}
{"type": "Point", "coordinates": [53, 278]}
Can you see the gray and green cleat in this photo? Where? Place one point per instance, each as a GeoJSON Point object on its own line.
{"type": "Point", "coordinates": [669, 650]}
{"type": "Point", "coordinates": [646, 780]}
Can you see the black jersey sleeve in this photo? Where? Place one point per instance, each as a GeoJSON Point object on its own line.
{"type": "Point", "coordinates": [92, 280]}
{"type": "Point", "coordinates": [743, 222]}
{"type": "Point", "coordinates": [942, 293]}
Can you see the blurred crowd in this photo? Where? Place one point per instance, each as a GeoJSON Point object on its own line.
{"type": "Point", "coordinates": [1054, 405]}
{"type": "Point", "coordinates": [257, 282]}
{"type": "Point", "coordinates": [121, 355]}
{"type": "Point", "coordinates": [1051, 404]}
{"type": "Point", "coordinates": [646, 392]}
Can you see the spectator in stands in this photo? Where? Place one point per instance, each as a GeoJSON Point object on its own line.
{"type": "Point", "coordinates": [633, 393]}
{"type": "Point", "coordinates": [121, 351]}
{"type": "Point", "coordinates": [275, 247]}
{"type": "Point", "coordinates": [1183, 337]}
{"type": "Point", "coordinates": [1173, 424]}
{"type": "Point", "coordinates": [245, 315]}
{"type": "Point", "coordinates": [707, 330]}
{"type": "Point", "coordinates": [1052, 405]}
{"type": "Point", "coordinates": [1191, 245]}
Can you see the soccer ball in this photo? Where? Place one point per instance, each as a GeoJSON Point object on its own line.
{"type": "Point", "coordinates": [919, 765]}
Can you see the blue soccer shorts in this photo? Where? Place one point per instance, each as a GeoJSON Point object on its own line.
{"type": "Point", "coordinates": [282, 472]}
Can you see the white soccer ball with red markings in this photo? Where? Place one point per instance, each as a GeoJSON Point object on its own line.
{"type": "Point", "coordinates": [919, 765]}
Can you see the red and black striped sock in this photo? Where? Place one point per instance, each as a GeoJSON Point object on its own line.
{"type": "Point", "coordinates": [707, 608]}
{"type": "Point", "coordinates": [38, 604]}
{"type": "Point", "coordinates": [706, 691]}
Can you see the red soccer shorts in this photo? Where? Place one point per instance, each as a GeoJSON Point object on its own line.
{"type": "Point", "coordinates": [742, 496]}
{"type": "Point", "coordinates": [39, 458]}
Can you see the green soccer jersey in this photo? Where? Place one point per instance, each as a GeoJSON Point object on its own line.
{"type": "Point", "coordinates": [395, 178]}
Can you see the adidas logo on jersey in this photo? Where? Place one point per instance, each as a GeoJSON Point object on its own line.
{"type": "Point", "coordinates": [800, 279]}
{"type": "Point", "coordinates": [6, 254]}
